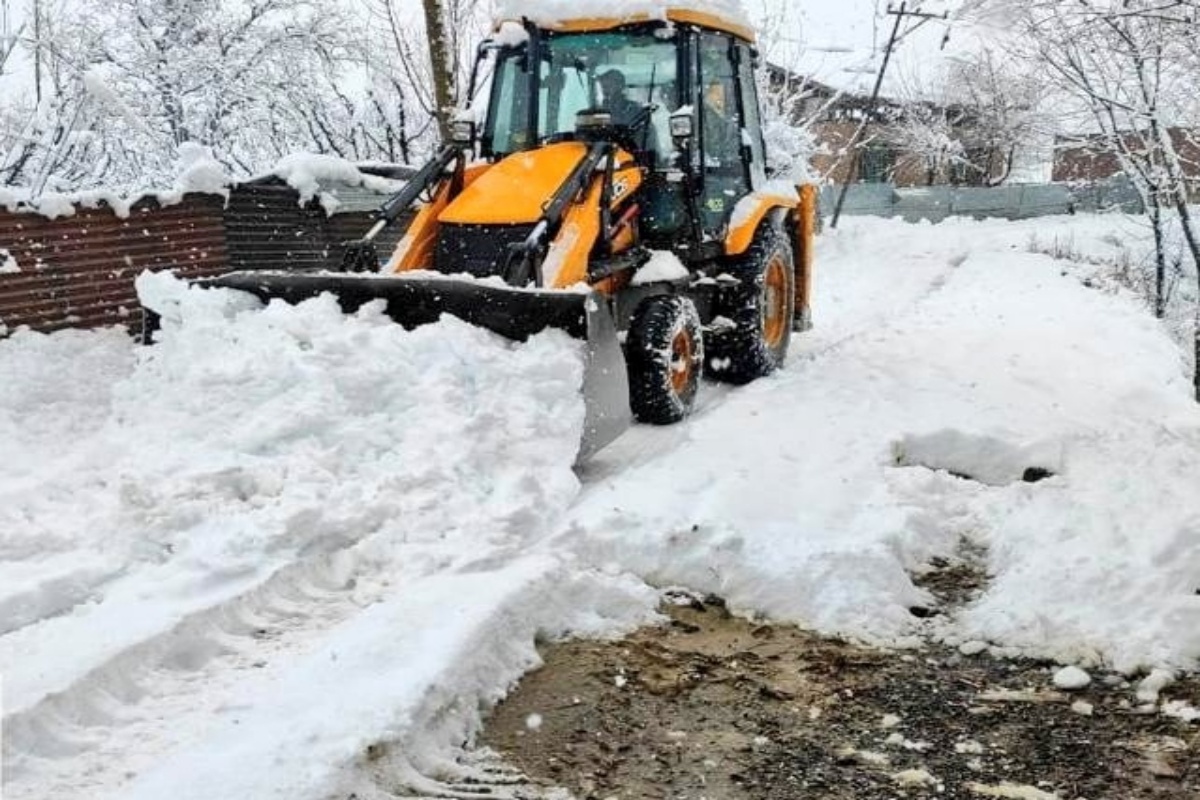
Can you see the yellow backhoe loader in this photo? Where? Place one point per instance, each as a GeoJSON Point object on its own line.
{"type": "Point", "coordinates": [610, 182]}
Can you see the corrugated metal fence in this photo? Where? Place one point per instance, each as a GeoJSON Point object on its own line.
{"type": "Point", "coordinates": [936, 203]}
{"type": "Point", "coordinates": [78, 271]}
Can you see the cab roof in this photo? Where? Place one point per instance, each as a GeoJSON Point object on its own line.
{"type": "Point", "coordinates": [703, 17]}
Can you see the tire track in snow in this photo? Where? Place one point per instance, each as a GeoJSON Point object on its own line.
{"type": "Point", "coordinates": [888, 308]}
{"type": "Point", "coordinates": [143, 701]}
{"type": "Point", "coordinates": [153, 699]}
{"type": "Point", "coordinates": [898, 293]}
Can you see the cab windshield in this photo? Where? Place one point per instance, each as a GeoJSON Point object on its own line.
{"type": "Point", "coordinates": [616, 71]}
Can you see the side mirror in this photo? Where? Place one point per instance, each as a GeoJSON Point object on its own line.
{"type": "Point", "coordinates": [683, 124]}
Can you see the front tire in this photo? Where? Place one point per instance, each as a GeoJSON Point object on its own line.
{"type": "Point", "coordinates": [757, 311]}
{"type": "Point", "coordinates": [665, 354]}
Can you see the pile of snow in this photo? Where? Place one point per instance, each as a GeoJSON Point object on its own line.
{"type": "Point", "coordinates": [228, 502]}
{"type": "Point", "coordinates": [662, 266]}
{"type": "Point", "coordinates": [309, 173]}
{"type": "Point", "coordinates": [53, 205]}
{"type": "Point", "coordinates": [197, 171]}
{"type": "Point", "coordinates": [778, 190]}
{"type": "Point", "coordinates": [1071, 678]}
{"type": "Point", "coordinates": [510, 33]}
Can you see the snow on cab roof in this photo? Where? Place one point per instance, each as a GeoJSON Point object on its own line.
{"type": "Point", "coordinates": [570, 15]}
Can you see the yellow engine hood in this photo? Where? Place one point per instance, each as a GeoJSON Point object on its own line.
{"type": "Point", "coordinates": [515, 190]}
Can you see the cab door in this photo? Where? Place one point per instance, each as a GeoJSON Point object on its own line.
{"type": "Point", "coordinates": [753, 143]}
{"type": "Point", "coordinates": [723, 147]}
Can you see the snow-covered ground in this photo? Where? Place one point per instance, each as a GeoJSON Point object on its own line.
{"type": "Point", "coordinates": [290, 553]}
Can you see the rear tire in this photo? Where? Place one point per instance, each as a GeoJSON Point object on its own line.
{"type": "Point", "coordinates": [754, 341]}
{"type": "Point", "coordinates": [665, 354]}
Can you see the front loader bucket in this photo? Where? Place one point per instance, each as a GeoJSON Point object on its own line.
{"type": "Point", "coordinates": [513, 313]}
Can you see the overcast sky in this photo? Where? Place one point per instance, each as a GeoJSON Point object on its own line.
{"type": "Point", "coordinates": [835, 41]}
{"type": "Point", "coordinates": [840, 42]}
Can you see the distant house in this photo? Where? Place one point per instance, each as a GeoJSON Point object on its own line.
{"type": "Point", "coordinates": [1088, 159]}
{"type": "Point", "coordinates": [833, 116]}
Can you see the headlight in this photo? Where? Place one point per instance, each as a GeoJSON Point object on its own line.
{"type": "Point", "coordinates": [592, 118]}
{"type": "Point", "coordinates": [682, 124]}
{"type": "Point", "coordinates": [462, 131]}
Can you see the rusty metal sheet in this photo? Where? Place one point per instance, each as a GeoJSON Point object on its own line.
{"type": "Point", "coordinates": [267, 228]}
{"type": "Point", "coordinates": [79, 271]}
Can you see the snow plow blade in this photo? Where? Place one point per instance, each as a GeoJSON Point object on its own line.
{"type": "Point", "coordinates": [512, 313]}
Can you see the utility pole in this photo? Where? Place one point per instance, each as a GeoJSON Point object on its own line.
{"type": "Point", "coordinates": [852, 146]}
{"type": "Point", "coordinates": [8, 41]}
{"type": "Point", "coordinates": [440, 64]}
{"type": "Point", "coordinates": [37, 51]}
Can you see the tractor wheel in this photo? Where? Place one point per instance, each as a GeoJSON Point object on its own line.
{"type": "Point", "coordinates": [753, 341]}
{"type": "Point", "coordinates": [665, 353]}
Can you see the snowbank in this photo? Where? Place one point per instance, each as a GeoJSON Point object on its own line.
{"type": "Point", "coordinates": [256, 470]}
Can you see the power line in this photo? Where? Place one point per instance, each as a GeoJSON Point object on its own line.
{"type": "Point", "coordinates": [852, 147]}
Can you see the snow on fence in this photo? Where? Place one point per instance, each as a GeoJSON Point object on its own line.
{"type": "Point", "coordinates": [936, 203]}
{"type": "Point", "coordinates": [78, 270]}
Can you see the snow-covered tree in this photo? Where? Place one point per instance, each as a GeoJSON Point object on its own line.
{"type": "Point", "coordinates": [1000, 103]}
{"type": "Point", "coordinates": [9, 35]}
{"type": "Point", "coordinates": [216, 73]}
{"type": "Point", "coordinates": [1131, 65]}
{"type": "Point", "coordinates": [787, 114]}
{"type": "Point", "coordinates": [359, 106]}
{"type": "Point", "coordinates": [786, 130]}
{"type": "Point", "coordinates": [928, 133]}
{"type": "Point", "coordinates": [46, 135]}
{"type": "Point", "coordinates": [128, 81]}
{"type": "Point", "coordinates": [436, 74]}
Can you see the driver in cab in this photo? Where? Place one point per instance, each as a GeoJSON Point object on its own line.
{"type": "Point", "coordinates": [612, 85]}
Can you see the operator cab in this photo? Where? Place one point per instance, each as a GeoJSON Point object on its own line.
{"type": "Point", "coordinates": [581, 77]}
{"type": "Point", "coordinates": [680, 98]}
